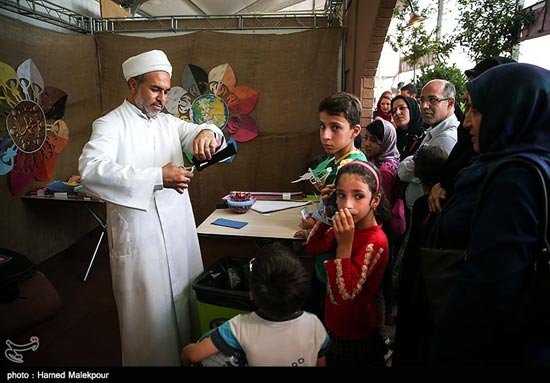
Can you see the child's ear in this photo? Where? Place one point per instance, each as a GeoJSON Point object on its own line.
{"type": "Point", "coordinates": [356, 130]}
{"type": "Point", "coordinates": [376, 200]}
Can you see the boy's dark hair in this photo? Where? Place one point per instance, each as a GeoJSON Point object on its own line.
{"type": "Point", "coordinates": [279, 282]}
{"type": "Point", "coordinates": [345, 103]}
{"type": "Point", "coordinates": [428, 164]}
{"type": "Point", "coordinates": [411, 88]}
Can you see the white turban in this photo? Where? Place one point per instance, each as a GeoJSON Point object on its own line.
{"type": "Point", "coordinates": [146, 62]}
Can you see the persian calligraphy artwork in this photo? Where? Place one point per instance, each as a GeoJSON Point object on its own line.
{"type": "Point", "coordinates": [31, 130]}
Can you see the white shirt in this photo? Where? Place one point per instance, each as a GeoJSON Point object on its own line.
{"type": "Point", "coordinates": [443, 135]}
{"type": "Point", "coordinates": [295, 342]}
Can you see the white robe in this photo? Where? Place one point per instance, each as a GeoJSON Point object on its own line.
{"type": "Point", "coordinates": [154, 249]}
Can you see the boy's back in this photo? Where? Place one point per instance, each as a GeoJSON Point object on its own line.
{"type": "Point", "coordinates": [298, 341]}
{"type": "Point", "coordinates": [279, 333]}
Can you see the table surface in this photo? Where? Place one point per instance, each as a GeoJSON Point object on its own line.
{"type": "Point", "coordinates": [281, 224]}
{"type": "Point", "coordinates": [69, 197]}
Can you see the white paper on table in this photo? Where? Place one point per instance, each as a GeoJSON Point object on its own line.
{"type": "Point", "coordinates": [271, 206]}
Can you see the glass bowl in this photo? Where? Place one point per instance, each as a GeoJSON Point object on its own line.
{"type": "Point", "coordinates": [240, 202]}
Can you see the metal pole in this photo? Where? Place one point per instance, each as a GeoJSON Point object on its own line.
{"type": "Point", "coordinates": [439, 18]}
{"type": "Point", "coordinates": [515, 49]}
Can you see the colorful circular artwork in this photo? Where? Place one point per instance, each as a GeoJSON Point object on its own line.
{"type": "Point", "coordinates": [211, 109]}
{"type": "Point", "coordinates": [26, 125]}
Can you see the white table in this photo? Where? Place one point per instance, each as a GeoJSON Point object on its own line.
{"type": "Point", "coordinates": [218, 241]}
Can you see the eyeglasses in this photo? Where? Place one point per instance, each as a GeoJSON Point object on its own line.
{"type": "Point", "coordinates": [431, 100]}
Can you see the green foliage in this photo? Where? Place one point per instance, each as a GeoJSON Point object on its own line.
{"type": "Point", "coordinates": [485, 28]}
{"type": "Point", "coordinates": [445, 72]}
{"type": "Point", "coordinates": [416, 42]}
{"type": "Point", "coordinates": [490, 27]}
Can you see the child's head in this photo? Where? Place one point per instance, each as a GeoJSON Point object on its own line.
{"type": "Point", "coordinates": [380, 141]}
{"type": "Point", "coordinates": [340, 118]}
{"type": "Point", "coordinates": [358, 187]}
{"type": "Point", "coordinates": [428, 165]}
{"type": "Point", "coordinates": [278, 282]}
{"type": "Point", "coordinates": [345, 104]}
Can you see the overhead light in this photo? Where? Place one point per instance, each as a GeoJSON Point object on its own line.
{"type": "Point", "coordinates": [414, 18]}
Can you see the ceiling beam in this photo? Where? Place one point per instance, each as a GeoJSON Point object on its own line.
{"type": "Point", "coordinates": [268, 6]}
{"type": "Point", "coordinates": [192, 3]}
{"type": "Point", "coordinates": [245, 7]}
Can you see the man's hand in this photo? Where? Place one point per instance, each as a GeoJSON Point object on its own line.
{"type": "Point", "coordinates": [434, 199]}
{"type": "Point", "coordinates": [175, 177]}
{"type": "Point", "coordinates": [204, 145]}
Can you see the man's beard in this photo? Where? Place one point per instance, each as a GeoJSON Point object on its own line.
{"type": "Point", "coordinates": [144, 107]}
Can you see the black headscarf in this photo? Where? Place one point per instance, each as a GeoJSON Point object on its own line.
{"type": "Point", "coordinates": [515, 102]}
{"type": "Point", "coordinates": [408, 140]}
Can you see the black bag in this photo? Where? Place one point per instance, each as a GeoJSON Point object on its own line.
{"type": "Point", "coordinates": [14, 268]}
{"type": "Point", "coordinates": [441, 267]}
{"type": "Point", "coordinates": [533, 309]}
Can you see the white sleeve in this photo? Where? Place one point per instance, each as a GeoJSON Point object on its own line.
{"type": "Point", "coordinates": [103, 177]}
{"type": "Point", "coordinates": [405, 171]}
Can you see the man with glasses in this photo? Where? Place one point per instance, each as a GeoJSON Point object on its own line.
{"type": "Point", "coordinates": [437, 105]}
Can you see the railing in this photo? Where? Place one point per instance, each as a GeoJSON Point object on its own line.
{"type": "Point", "coordinates": [49, 12]}
{"type": "Point", "coordinates": [196, 23]}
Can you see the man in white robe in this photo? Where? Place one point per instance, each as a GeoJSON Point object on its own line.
{"type": "Point", "coordinates": [133, 161]}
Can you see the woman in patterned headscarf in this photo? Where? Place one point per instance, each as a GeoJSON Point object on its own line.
{"type": "Point", "coordinates": [508, 115]}
{"type": "Point", "coordinates": [380, 140]}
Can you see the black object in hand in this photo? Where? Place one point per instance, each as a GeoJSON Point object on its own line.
{"type": "Point", "coordinates": [217, 157]}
